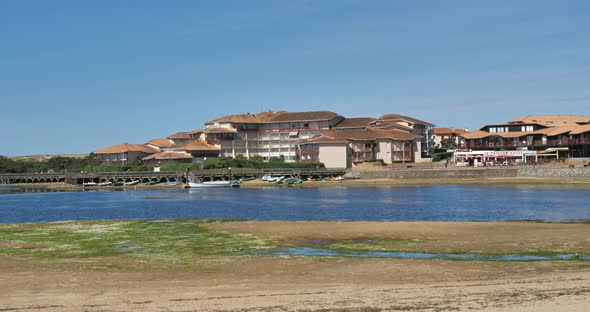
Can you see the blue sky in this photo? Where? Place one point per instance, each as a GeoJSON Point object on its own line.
{"type": "Point", "coordinates": [76, 76]}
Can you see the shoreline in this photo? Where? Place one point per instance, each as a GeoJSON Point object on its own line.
{"type": "Point", "coordinates": [548, 182]}
{"type": "Point", "coordinates": [217, 282]}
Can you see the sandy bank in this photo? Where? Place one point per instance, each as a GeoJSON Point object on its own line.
{"type": "Point", "coordinates": [273, 283]}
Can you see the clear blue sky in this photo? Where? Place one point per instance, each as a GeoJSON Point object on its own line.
{"type": "Point", "coordinates": [76, 76]}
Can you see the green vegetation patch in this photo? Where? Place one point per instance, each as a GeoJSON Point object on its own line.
{"type": "Point", "coordinates": [172, 241]}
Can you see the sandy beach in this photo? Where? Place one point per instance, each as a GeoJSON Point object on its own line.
{"type": "Point", "coordinates": [287, 283]}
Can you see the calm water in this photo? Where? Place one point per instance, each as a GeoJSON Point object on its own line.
{"type": "Point", "coordinates": [321, 252]}
{"type": "Point", "coordinates": [434, 203]}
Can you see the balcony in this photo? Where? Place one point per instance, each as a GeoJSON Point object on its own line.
{"type": "Point", "coordinates": [362, 150]}
{"type": "Point", "coordinates": [580, 141]}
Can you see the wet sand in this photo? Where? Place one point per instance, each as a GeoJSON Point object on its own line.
{"type": "Point", "coordinates": [273, 283]}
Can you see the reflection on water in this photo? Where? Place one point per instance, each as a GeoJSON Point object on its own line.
{"type": "Point", "coordinates": [322, 252]}
{"type": "Point", "coordinates": [428, 203]}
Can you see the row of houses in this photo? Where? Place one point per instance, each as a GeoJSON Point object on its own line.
{"type": "Point", "coordinates": [316, 136]}
{"type": "Point", "coordinates": [542, 133]}
{"type": "Point", "coordinates": [340, 142]}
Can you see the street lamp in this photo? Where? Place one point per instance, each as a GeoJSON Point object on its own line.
{"type": "Point", "coordinates": [229, 170]}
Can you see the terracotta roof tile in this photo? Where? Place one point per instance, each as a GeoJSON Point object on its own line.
{"type": "Point", "coordinates": [179, 136]}
{"type": "Point", "coordinates": [396, 117]}
{"type": "Point", "coordinates": [580, 129]}
{"type": "Point", "coordinates": [160, 142]}
{"type": "Point", "coordinates": [449, 131]}
{"type": "Point", "coordinates": [389, 124]}
{"type": "Point", "coordinates": [552, 120]}
{"type": "Point", "coordinates": [363, 135]}
{"type": "Point", "coordinates": [246, 118]}
{"type": "Point", "coordinates": [304, 116]}
{"type": "Point", "coordinates": [478, 134]}
{"type": "Point", "coordinates": [356, 122]}
{"type": "Point", "coordinates": [125, 147]}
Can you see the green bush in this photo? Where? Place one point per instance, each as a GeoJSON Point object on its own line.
{"type": "Point", "coordinates": [181, 167]}
{"type": "Point", "coordinates": [441, 156]}
{"type": "Point", "coordinates": [223, 163]}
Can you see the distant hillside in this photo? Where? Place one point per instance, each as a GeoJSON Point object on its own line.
{"type": "Point", "coordinates": [44, 157]}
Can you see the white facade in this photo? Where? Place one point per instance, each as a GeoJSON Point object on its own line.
{"type": "Point", "coordinates": [334, 155]}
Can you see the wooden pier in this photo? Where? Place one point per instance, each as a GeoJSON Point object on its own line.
{"type": "Point", "coordinates": [163, 176]}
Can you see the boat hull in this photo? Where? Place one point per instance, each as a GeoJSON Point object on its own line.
{"type": "Point", "coordinates": [212, 184]}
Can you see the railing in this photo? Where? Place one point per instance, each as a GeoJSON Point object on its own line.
{"type": "Point", "coordinates": [23, 177]}
{"type": "Point", "coordinates": [580, 141]}
{"type": "Point", "coordinates": [363, 150]}
{"type": "Point", "coordinates": [309, 151]}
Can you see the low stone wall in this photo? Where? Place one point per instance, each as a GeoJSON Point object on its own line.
{"type": "Point", "coordinates": [549, 172]}
{"type": "Point", "coordinates": [469, 173]}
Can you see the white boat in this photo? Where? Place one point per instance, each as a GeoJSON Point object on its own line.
{"type": "Point", "coordinates": [210, 184]}
{"type": "Point", "coordinates": [275, 179]}
{"type": "Point", "coordinates": [89, 184]}
{"type": "Point", "coordinates": [107, 183]}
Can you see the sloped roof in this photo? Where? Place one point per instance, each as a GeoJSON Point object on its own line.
{"type": "Point", "coordinates": [363, 135]}
{"type": "Point", "coordinates": [388, 125]}
{"type": "Point", "coordinates": [196, 131]}
{"type": "Point", "coordinates": [449, 131]}
{"type": "Point", "coordinates": [406, 118]}
{"type": "Point", "coordinates": [304, 116]}
{"type": "Point", "coordinates": [160, 142]}
{"type": "Point", "coordinates": [477, 134]}
{"type": "Point", "coordinates": [247, 118]}
{"type": "Point", "coordinates": [552, 120]}
{"type": "Point", "coordinates": [179, 136]}
{"type": "Point", "coordinates": [125, 147]}
{"type": "Point", "coordinates": [573, 130]}
{"type": "Point", "coordinates": [356, 122]}
{"type": "Point", "coordinates": [275, 116]}
{"type": "Point", "coordinates": [168, 155]}
{"type": "Point", "coordinates": [580, 129]}
{"type": "Point", "coordinates": [195, 146]}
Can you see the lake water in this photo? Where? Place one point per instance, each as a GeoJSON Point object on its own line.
{"type": "Point", "coordinates": [428, 203]}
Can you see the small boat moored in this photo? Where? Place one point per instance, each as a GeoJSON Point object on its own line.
{"type": "Point", "coordinates": [132, 183]}
{"type": "Point", "coordinates": [210, 184]}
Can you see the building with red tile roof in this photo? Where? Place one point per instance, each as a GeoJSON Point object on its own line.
{"type": "Point", "coordinates": [448, 137]}
{"type": "Point", "coordinates": [345, 148]}
{"type": "Point", "coordinates": [123, 154]}
{"type": "Point", "coordinates": [571, 133]}
{"type": "Point", "coordinates": [414, 125]}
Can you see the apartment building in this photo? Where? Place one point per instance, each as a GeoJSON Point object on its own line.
{"type": "Point", "coordinates": [405, 123]}
{"type": "Point", "coordinates": [345, 148]}
{"type": "Point", "coordinates": [268, 134]}
{"type": "Point", "coordinates": [571, 133]}
{"type": "Point", "coordinates": [448, 137]}
{"type": "Point", "coordinates": [124, 154]}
